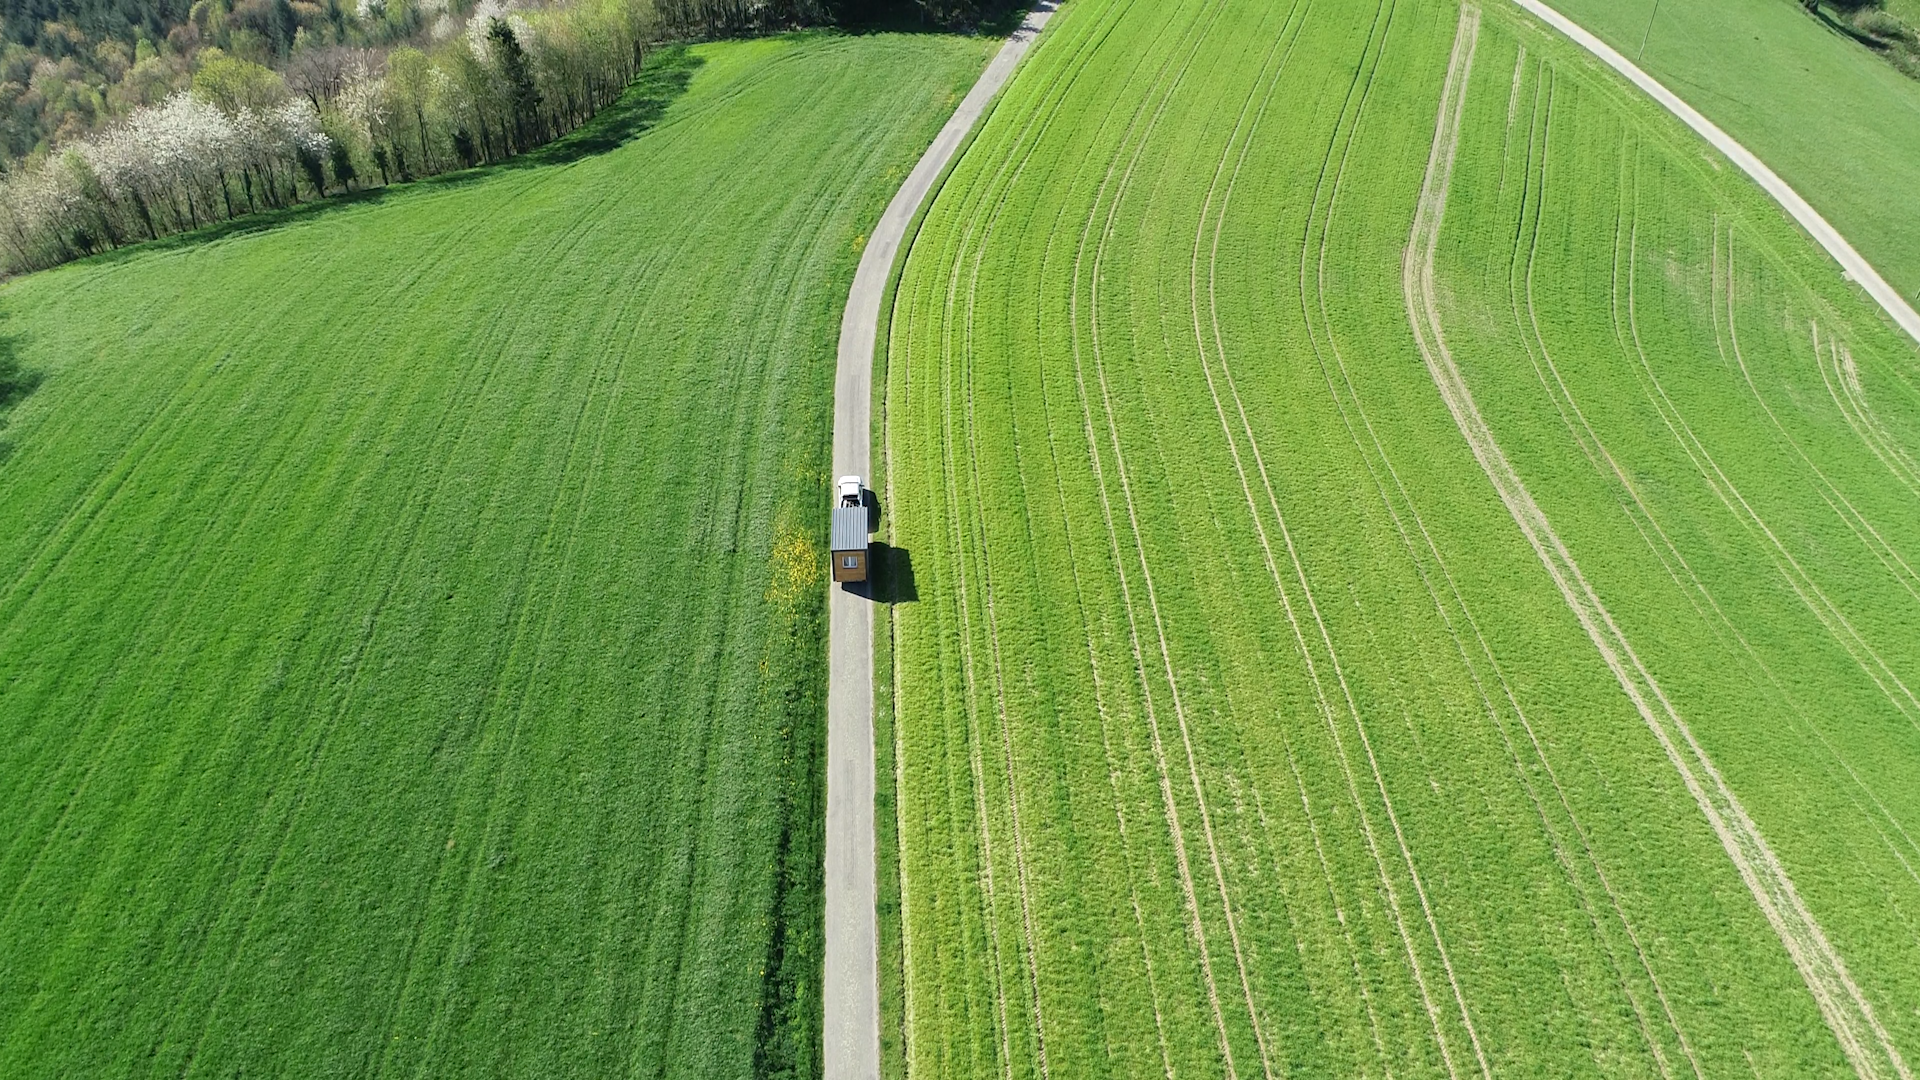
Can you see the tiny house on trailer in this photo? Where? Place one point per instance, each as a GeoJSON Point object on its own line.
{"type": "Point", "coordinates": [849, 533]}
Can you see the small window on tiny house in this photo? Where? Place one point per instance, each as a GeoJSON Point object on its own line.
{"type": "Point", "coordinates": [851, 562]}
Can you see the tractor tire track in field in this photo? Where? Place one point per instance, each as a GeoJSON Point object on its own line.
{"type": "Point", "coordinates": [1574, 418]}
{"type": "Point", "coordinates": [1295, 21]}
{"type": "Point", "coordinates": [1883, 294]}
{"type": "Point", "coordinates": [1100, 690]}
{"type": "Point", "coordinates": [162, 423]}
{"type": "Point", "coordinates": [245, 682]}
{"type": "Point", "coordinates": [1139, 544]}
{"type": "Point", "coordinates": [976, 765]}
{"type": "Point", "coordinates": [1842, 507]}
{"type": "Point", "coordinates": [511, 700]}
{"type": "Point", "coordinates": [348, 681]}
{"type": "Point", "coordinates": [1485, 652]}
{"type": "Point", "coordinates": [1842, 380]}
{"type": "Point", "coordinates": [154, 431]}
{"type": "Point", "coordinates": [460, 404]}
{"type": "Point", "coordinates": [352, 668]}
{"type": "Point", "coordinates": [1865, 1042]}
{"type": "Point", "coordinates": [1268, 74]}
{"type": "Point", "coordinates": [557, 249]}
{"type": "Point", "coordinates": [561, 555]}
{"type": "Point", "coordinates": [1724, 299]}
{"type": "Point", "coordinates": [1841, 375]}
{"type": "Point", "coordinates": [1539, 143]}
{"type": "Point", "coordinates": [1426, 565]}
{"type": "Point", "coordinates": [475, 392]}
{"type": "Point", "coordinates": [404, 986]}
{"type": "Point", "coordinates": [997, 205]}
{"type": "Point", "coordinates": [1141, 132]}
{"type": "Point", "coordinates": [1362, 85]}
{"type": "Point", "coordinates": [973, 239]}
{"type": "Point", "coordinates": [499, 323]}
{"type": "Point", "coordinates": [225, 556]}
{"type": "Point", "coordinates": [1816, 600]}
{"type": "Point", "coordinates": [1232, 444]}
{"type": "Point", "coordinates": [1863, 530]}
{"type": "Point", "coordinates": [977, 778]}
{"type": "Point", "coordinates": [158, 428]}
{"type": "Point", "coordinates": [1639, 513]}
{"type": "Point", "coordinates": [81, 739]}
{"type": "Point", "coordinates": [1874, 809]}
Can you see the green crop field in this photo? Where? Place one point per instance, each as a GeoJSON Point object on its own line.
{"type": "Point", "coordinates": [1413, 574]}
{"type": "Point", "coordinates": [411, 618]}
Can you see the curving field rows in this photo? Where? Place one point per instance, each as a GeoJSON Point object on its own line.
{"type": "Point", "coordinates": [1393, 599]}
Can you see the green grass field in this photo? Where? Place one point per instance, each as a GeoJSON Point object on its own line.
{"type": "Point", "coordinates": [1834, 120]}
{"type": "Point", "coordinates": [411, 617]}
{"type": "Point", "coordinates": [1393, 597]}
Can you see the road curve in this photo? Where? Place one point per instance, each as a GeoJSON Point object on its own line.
{"type": "Point", "coordinates": [851, 1048]}
{"type": "Point", "coordinates": [1850, 260]}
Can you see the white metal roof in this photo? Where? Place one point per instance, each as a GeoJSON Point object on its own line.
{"type": "Point", "coordinates": [849, 528]}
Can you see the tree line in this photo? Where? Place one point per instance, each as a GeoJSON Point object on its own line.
{"type": "Point", "coordinates": [243, 137]}
{"type": "Point", "coordinates": [227, 134]}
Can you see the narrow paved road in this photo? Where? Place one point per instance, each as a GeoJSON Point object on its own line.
{"type": "Point", "coordinates": [852, 1035]}
{"type": "Point", "coordinates": [1829, 237]}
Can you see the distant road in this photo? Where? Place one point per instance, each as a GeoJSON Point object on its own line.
{"type": "Point", "coordinates": [1829, 237]}
{"type": "Point", "coordinates": [852, 1035]}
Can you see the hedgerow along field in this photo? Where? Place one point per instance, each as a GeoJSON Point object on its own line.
{"type": "Point", "coordinates": [411, 622]}
{"type": "Point", "coordinates": [1414, 570]}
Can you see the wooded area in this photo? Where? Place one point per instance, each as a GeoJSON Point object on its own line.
{"type": "Point", "coordinates": [122, 122]}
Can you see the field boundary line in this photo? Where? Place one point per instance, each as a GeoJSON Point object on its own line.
{"type": "Point", "coordinates": [1829, 238]}
{"type": "Point", "coordinates": [1842, 1004]}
